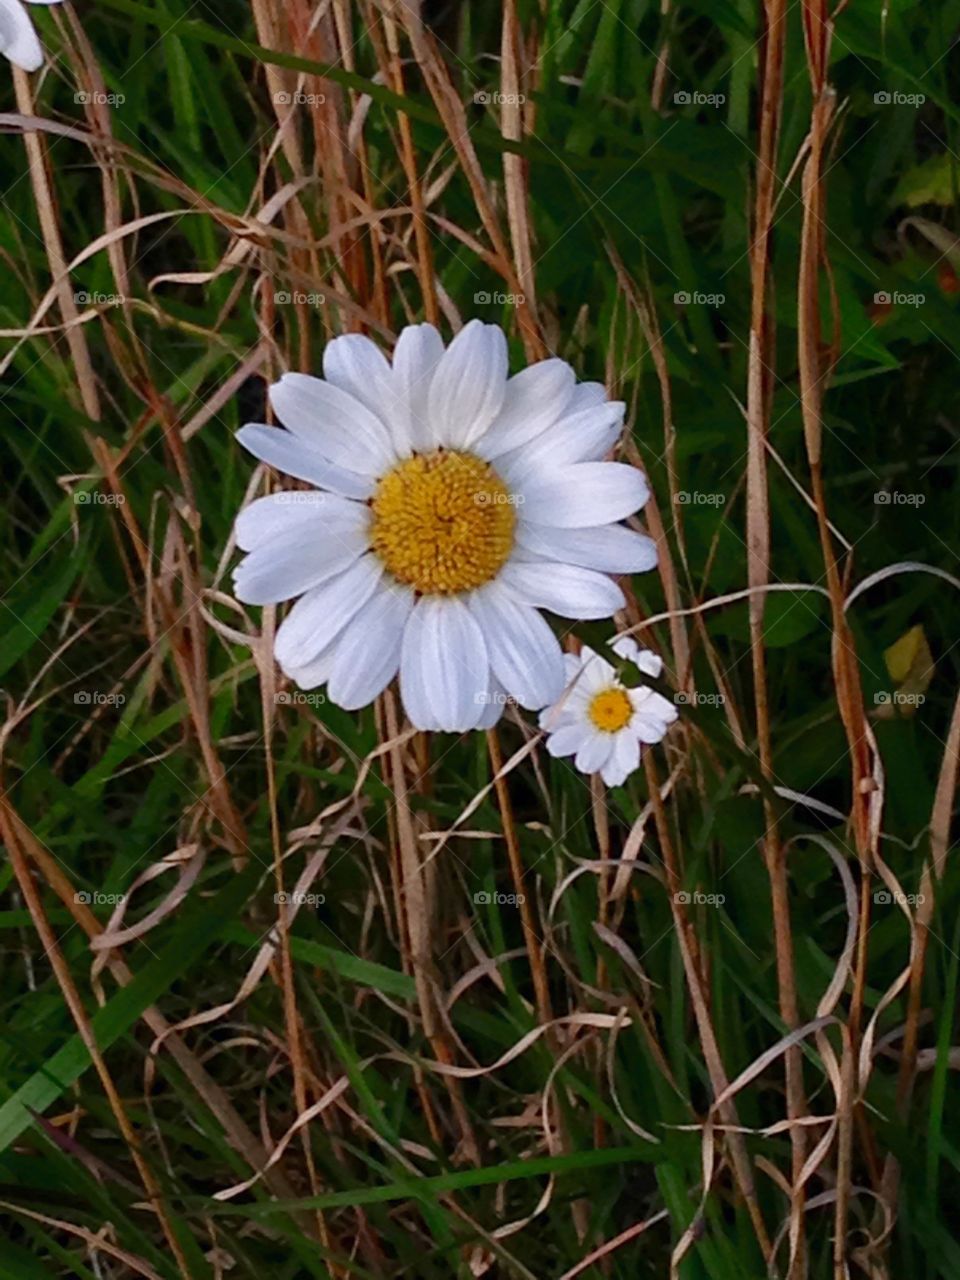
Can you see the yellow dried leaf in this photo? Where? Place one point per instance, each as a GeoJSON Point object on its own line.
{"type": "Point", "coordinates": [910, 664]}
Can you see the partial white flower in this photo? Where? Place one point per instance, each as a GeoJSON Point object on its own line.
{"type": "Point", "coordinates": [18, 40]}
{"type": "Point", "coordinates": [602, 722]}
{"type": "Point", "coordinates": [452, 504]}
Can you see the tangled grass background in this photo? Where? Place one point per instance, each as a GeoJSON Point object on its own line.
{"type": "Point", "coordinates": [294, 992]}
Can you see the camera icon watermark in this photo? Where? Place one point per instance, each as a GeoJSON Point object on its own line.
{"type": "Point", "coordinates": [684, 699]}
{"type": "Point", "coordinates": [696, 298]}
{"type": "Point", "coordinates": [94, 698]}
{"type": "Point", "coordinates": [694, 98]}
{"type": "Point", "coordinates": [485, 899]}
{"type": "Point", "coordinates": [485, 97]}
{"type": "Point", "coordinates": [696, 498]}
{"type": "Point", "coordinates": [698, 899]}
{"type": "Point", "coordinates": [284, 99]}
{"type": "Point", "coordinates": [296, 298]}
{"type": "Point", "coordinates": [297, 697]}
{"type": "Point", "coordinates": [84, 298]}
{"type": "Point", "coordinates": [97, 98]}
{"type": "Point", "coordinates": [884, 298]}
{"type": "Point", "coordinates": [897, 498]}
{"type": "Point", "coordinates": [487, 499]}
{"type": "Point", "coordinates": [884, 898]}
{"type": "Point", "coordinates": [94, 898]}
{"type": "Point", "coordinates": [294, 899]}
{"type": "Point", "coordinates": [894, 98]}
{"type": "Point", "coordinates": [484, 299]}
{"type": "Point", "coordinates": [95, 498]}
{"type": "Point", "coordinates": [899, 699]}
{"type": "Point", "coordinates": [495, 698]}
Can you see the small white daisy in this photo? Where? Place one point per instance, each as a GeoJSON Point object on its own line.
{"type": "Point", "coordinates": [600, 721]}
{"type": "Point", "coordinates": [453, 503]}
{"type": "Point", "coordinates": [18, 40]}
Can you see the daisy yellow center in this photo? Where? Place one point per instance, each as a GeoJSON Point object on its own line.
{"type": "Point", "coordinates": [443, 522]}
{"type": "Point", "coordinates": [610, 709]}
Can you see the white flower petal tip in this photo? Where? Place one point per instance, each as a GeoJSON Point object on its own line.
{"type": "Point", "coordinates": [645, 660]}
{"type": "Point", "coordinates": [18, 40]}
{"type": "Point", "coordinates": [599, 721]}
{"type": "Point", "coordinates": [468, 385]}
{"type": "Point", "coordinates": [451, 504]}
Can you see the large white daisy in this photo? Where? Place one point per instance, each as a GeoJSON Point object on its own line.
{"type": "Point", "coordinates": [601, 722]}
{"type": "Point", "coordinates": [18, 40]}
{"type": "Point", "coordinates": [452, 504]}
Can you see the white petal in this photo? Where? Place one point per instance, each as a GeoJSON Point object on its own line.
{"type": "Point", "coordinates": [368, 649]}
{"type": "Point", "coordinates": [444, 671]}
{"type": "Point", "coordinates": [289, 454]}
{"type": "Point", "coordinates": [624, 758]}
{"type": "Point", "coordinates": [469, 384]}
{"type": "Point", "coordinates": [315, 672]}
{"type": "Point", "coordinates": [648, 702]}
{"type": "Point", "coordinates": [569, 739]}
{"type": "Point", "coordinates": [534, 399]}
{"type": "Point", "coordinates": [18, 40]}
{"type": "Point", "coordinates": [572, 703]}
{"type": "Point", "coordinates": [525, 655]}
{"type": "Point", "coordinates": [296, 559]}
{"type": "Point", "coordinates": [582, 437]}
{"type": "Point", "coordinates": [333, 422]}
{"type": "Point", "coordinates": [322, 613]}
{"type": "Point", "coordinates": [648, 729]}
{"type": "Point", "coordinates": [307, 509]}
{"type": "Point", "coordinates": [645, 660]}
{"type": "Point", "coordinates": [594, 753]}
{"type": "Point", "coordinates": [586, 493]}
{"type": "Point", "coordinates": [564, 589]}
{"type": "Point", "coordinates": [415, 358]}
{"type": "Point", "coordinates": [611, 548]}
{"type": "Point", "coordinates": [596, 672]}
{"type": "Point", "coordinates": [494, 704]}
{"type": "Point", "coordinates": [586, 395]}
{"type": "Point", "coordinates": [356, 365]}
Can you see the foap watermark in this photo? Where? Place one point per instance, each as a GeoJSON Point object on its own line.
{"type": "Point", "coordinates": [698, 899]}
{"type": "Point", "coordinates": [696, 498]}
{"type": "Point", "coordinates": [486, 97]}
{"type": "Point", "coordinates": [296, 298]}
{"type": "Point", "coordinates": [894, 98]}
{"type": "Point", "coordinates": [97, 98]}
{"type": "Point", "coordinates": [97, 498]}
{"type": "Point", "coordinates": [487, 499]}
{"type": "Point", "coordinates": [495, 698]}
{"type": "Point", "coordinates": [684, 699]}
{"type": "Point", "coordinates": [898, 498]}
{"type": "Point", "coordinates": [884, 298]}
{"type": "Point", "coordinates": [884, 898]}
{"type": "Point", "coordinates": [294, 899]}
{"type": "Point", "coordinates": [88, 298]}
{"type": "Point", "coordinates": [694, 98]}
{"type": "Point", "coordinates": [95, 698]}
{"type": "Point", "coordinates": [695, 298]}
{"type": "Point", "coordinates": [300, 497]}
{"type": "Point", "coordinates": [297, 697]}
{"type": "Point", "coordinates": [94, 898]}
{"type": "Point", "coordinates": [298, 99]}
{"type": "Point", "coordinates": [484, 299]}
{"type": "Point", "coordinates": [899, 699]}
{"type": "Point", "coordinates": [485, 899]}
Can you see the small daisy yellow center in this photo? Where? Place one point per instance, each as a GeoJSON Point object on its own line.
{"type": "Point", "coordinates": [610, 709]}
{"type": "Point", "coordinates": [443, 522]}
